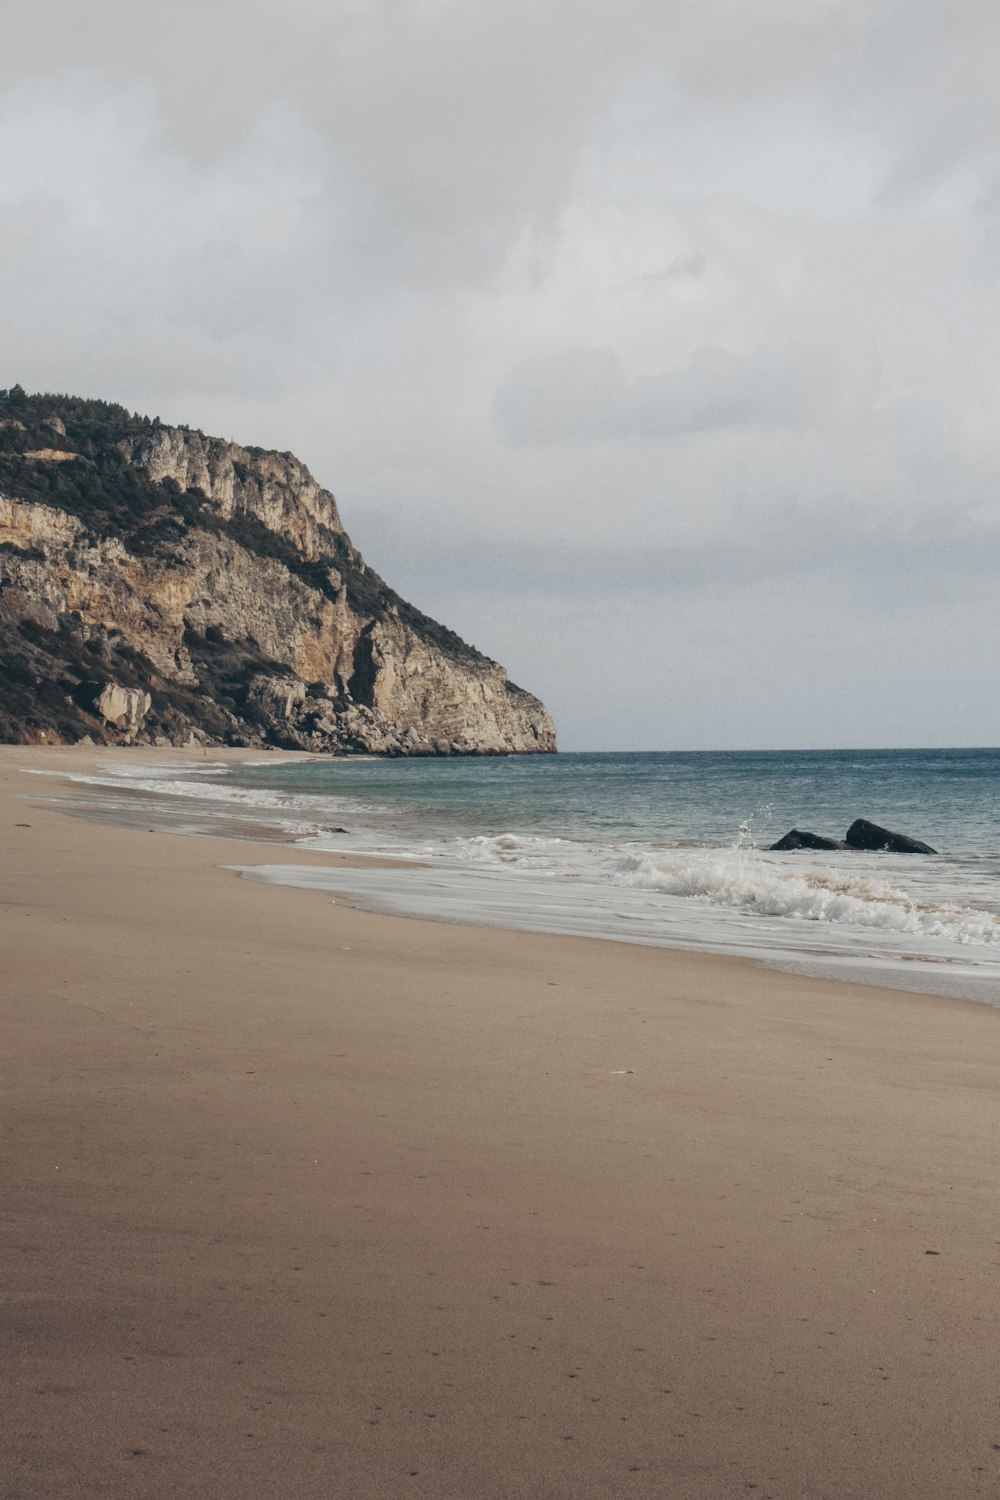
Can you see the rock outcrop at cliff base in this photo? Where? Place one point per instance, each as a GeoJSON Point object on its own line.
{"type": "Point", "coordinates": [158, 585]}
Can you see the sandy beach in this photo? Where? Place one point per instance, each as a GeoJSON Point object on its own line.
{"type": "Point", "coordinates": [305, 1202]}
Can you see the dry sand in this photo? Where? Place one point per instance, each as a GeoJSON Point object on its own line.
{"type": "Point", "coordinates": [300, 1201]}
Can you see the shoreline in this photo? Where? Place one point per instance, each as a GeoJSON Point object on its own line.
{"type": "Point", "coordinates": [441, 890]}
{"type": "Point", "coordinates": [306, 1200]}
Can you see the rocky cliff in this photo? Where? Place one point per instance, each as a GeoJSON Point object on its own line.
{"type": "Point", "coordinates": [156, 584]}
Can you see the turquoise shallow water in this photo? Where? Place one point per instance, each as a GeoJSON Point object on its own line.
{"type": "Point", "coordinates": [655, 848]}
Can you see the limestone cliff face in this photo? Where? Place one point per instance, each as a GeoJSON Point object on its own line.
{"type": "Point", "coordinates": [274, 487]}
{"type": "Point", "coordinates": [157, 584]}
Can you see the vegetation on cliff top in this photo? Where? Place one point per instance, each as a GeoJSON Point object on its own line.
{"type": "Point", "coordinates": [82, 457]}
{"type": "Point", "coordinates": [115, 497]}
{"type": "Point", "coordinates": [96, 484]}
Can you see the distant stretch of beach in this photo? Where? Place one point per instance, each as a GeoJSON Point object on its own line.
{"type": "Point", "coordinates": [304, 1201]}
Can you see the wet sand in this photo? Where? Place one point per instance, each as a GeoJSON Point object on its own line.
{"type": "Point", "coordinates": [305, 1202]}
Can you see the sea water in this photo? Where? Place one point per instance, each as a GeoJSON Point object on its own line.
{"type": "Point", "coordinates": [666, 849]}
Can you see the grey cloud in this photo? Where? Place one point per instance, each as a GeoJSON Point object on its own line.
{"type": "Point", "coordinates": [584, 395]}
{"type": "Point", "coordinates": [453, 127]}
{"type": "Point", "coordinates": [447, 127]}
{"type": "Point", "coordinates": [881, 558]}
{"type": "Point", "coordinates": [348, 228]}
{"type": "Point", "coordinates": [784, 634]}
{"type": "Point", "coordinates": [682, 266]}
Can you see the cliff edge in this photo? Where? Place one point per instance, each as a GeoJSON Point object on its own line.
{"type": "Point", "coordinates": [157, 585]}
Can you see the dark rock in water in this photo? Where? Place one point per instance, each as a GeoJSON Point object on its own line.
{"type": "Point", "coordinates": [865, 835]}
{"type": "Point", "coordinates": [797, 839]}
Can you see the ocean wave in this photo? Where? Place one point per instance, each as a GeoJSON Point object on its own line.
{"type": "Point", "coordinates": [517, 849]}
{"type": "Point", "coordinates": [185, 784]}
{"type": "Point", "coordinates": [740, 879]}
{"type": "Point", "coordinates": [849, 898]}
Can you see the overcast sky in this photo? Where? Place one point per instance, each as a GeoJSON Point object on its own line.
{"type": "Point", "coordinates": [653, 345]}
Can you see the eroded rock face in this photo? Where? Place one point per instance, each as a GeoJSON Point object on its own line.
{"type": "Point", "coordinates": [123, 707]}
{"type": "Point", "coordinates": [226, 600]}
{"type": "Point", "coordinates": [275, 488]}
{"type": "Point", "coordinates": [277, 697]}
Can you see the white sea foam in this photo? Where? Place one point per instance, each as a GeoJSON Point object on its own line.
{"type": "Point", "coordinates": [736, 878]}
{"type": "Point", "coordinates": [744, 880]}
{"type": "Point", "coordinates": [184, 786]}
{"type": "Point", "coordinates": [848, 900]}
{"type": "Point", "coordinates": [518, 851]}
{"type": "Point", "coordinates": [196, 783]}
{"type": "Point", "coordinates": [849, 908]}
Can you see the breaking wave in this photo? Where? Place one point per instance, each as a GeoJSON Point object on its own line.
{"type": "Point", "coordinates": [732, 878]}
{"type": "Point", "coordinates": [743, 879]}
{"type": "Point", "coordinates": [680, 885]}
